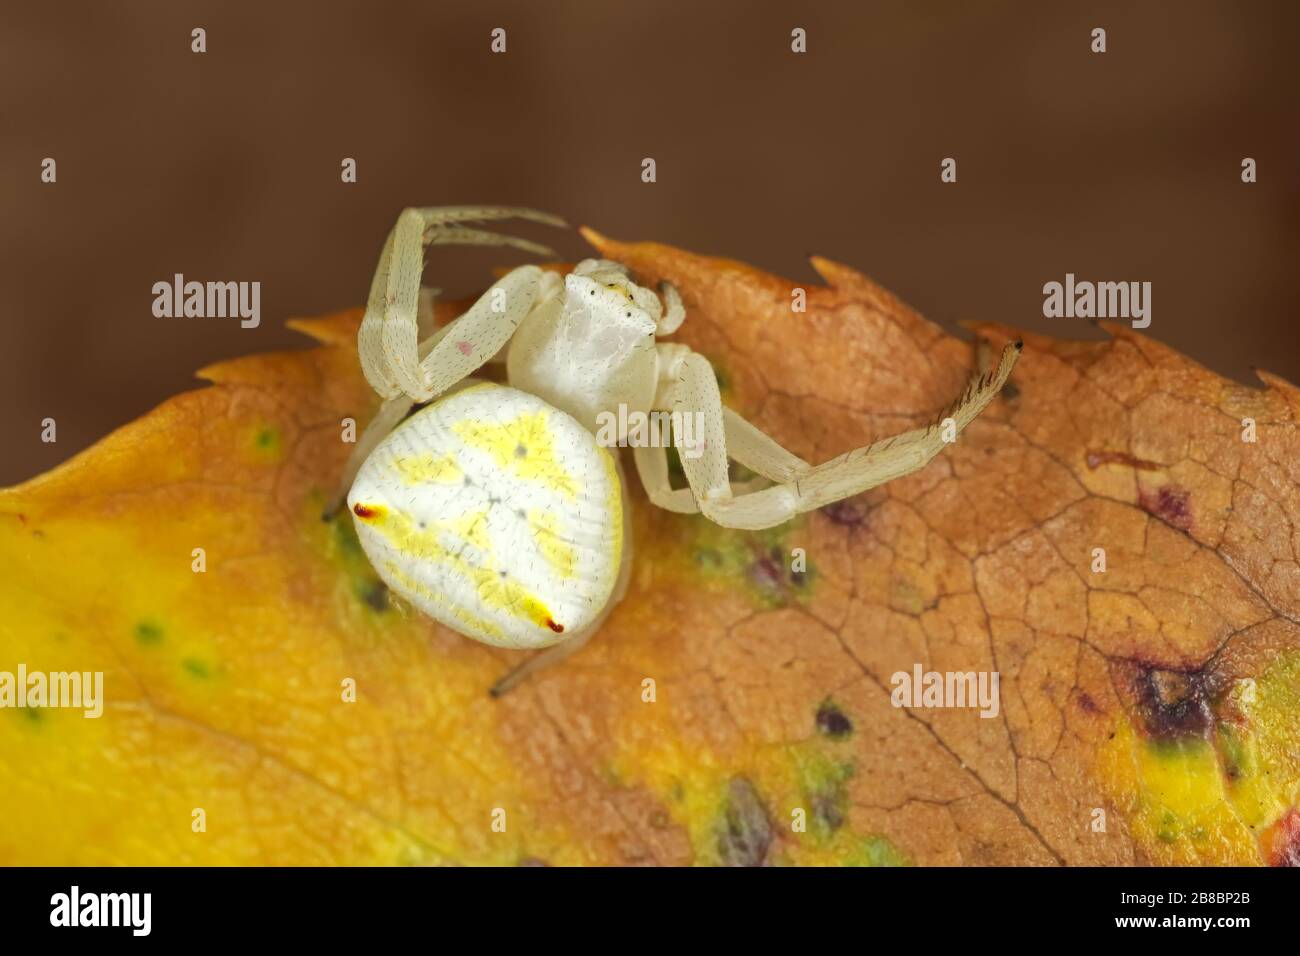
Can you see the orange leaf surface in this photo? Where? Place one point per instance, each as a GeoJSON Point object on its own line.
{"type": "Point", "coordinates": [1159, 696]}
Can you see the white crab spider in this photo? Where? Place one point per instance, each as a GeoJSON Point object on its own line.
{"type": "Point", "coordinates": [494, 510]}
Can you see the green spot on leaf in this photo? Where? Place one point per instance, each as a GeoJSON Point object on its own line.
{"type": "Point", "coordinates": [823, 792]}
{"type": "Point", "coordinates": [196, 668]}
{"type": "Point", "coordinates": [375, 593]}
{"type": "Point", "coordinates": [148, 633]}
{"type": "Point", "coordinates": [345, 536]}
{"type": "Point", "coordinates": [343, 546]}
{"type": "Point", "coordinates": [266, 440]}
{"type": "Point", "coordinates": [875, 851]}
{"type": "Point", "coordinates": [763, 561]}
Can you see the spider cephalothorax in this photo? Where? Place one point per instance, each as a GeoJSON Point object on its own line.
{"type": "Point", "coordinates": [494, 509]}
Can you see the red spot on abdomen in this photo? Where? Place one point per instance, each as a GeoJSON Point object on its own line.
{"type": "Point", "coordinates": [465, 348]}
{"type": "Point", "coordinates": [364, 511]}
{"type": "Point", "coordinates": [557, 628]}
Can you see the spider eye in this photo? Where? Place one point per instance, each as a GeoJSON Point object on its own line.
{"type": "Point", "coordinates": [593, 292]}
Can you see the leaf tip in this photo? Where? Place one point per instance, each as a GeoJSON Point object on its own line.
{"type": "Point", "coordinates": [836, 274]}
{"type": "Point", "coordinates": [338, 329]}
{"type": "Point", "coordinates": [1276, 381]}
{"type": "Point", "coordinates": [594, 238]}
{"type": "Point", "coordinates": [1117, 330]}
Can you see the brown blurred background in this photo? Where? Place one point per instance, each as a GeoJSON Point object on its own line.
{"type": "Point", "coordinates": [225, 165]}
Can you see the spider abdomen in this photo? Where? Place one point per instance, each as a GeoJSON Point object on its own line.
{"type": "Point", "coordinates": [495, 513]}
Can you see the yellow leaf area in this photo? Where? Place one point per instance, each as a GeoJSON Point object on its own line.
{"type": "Point", "coordinates": [735, 708]}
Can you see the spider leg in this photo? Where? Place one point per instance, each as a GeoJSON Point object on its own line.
{"type": "Point", "coordinates": [692, 389]}
{"type": "Point", "coordinates": [407, 371]}
{"type": "Point", "coordinates": [757, 450]}
{"type": "Point", "coordinates": [745, 443]}
{"type": "Point", "coordinates": [546, 658]}
{"type": "Point", "coordinates": [386, 419]}
{"type": "Point", "coordinates": [594, 267]}
{"type": "Point", "coordinates": [388, 339]}
{"type": "Point", "coordinates": [390, 413]}
{"type": "Point", "coordinates": [652, 469]}
{"type": "Point", "coordinates": [674, 313]}
{"type": "Point", "coordinates": [474, 338]}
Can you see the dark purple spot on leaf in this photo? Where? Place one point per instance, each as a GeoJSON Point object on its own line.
{"type": "Point", "coordinates": [746, 832]}
{"type": "Point", "coordinates": [832, 722]}
{"type": "Point", "coordinates": [1173, 705]}
{"type": "Point", "coordinates": [1170, 504]}
{"type": "Point", "coordinates": [846, 513]}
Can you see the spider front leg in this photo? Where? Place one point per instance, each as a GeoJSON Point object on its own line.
{"type": "Point", "coordinates": [407, 371]}
{"type": "Point", "coordinates": [691, 389]}
{"type": "Point", "coordinates": [453, 353]}
{"type": "Point", "coordinates": [388, 341]}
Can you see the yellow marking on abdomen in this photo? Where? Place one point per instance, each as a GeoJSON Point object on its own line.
{"type": "Point", "coordinates": [559, 554]}
{"type": "Point", "coordinates": [493, 587]}
{"type": "Point", "coordinates": [523, 446]}
{"type": "Point", "coordinates": [418, 469]}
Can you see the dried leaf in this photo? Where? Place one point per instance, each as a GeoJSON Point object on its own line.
{"type": "Point", "coordinates": [1162, 693]}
